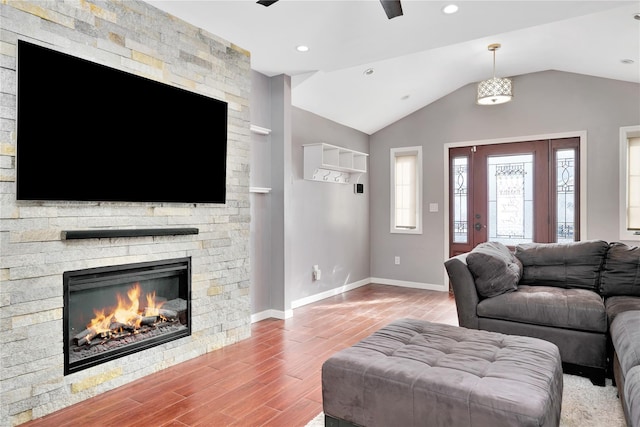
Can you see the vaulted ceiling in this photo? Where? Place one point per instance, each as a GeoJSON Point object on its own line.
{"type": "Point", "coordinates": [420, 56]}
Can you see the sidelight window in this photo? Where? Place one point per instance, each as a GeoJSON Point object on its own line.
{"type": "Point", "coordinates": [565, 195]}
{"type": "Point", "coordinates": [460, 198]}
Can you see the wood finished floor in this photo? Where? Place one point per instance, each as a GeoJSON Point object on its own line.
{"type": "Point", "coordinates": [270, 379]}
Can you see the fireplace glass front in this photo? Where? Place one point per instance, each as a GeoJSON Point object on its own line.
{"type": "Point", "coordinates": [114, 311]}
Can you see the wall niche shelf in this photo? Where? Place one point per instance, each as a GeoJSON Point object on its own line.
{"type": "Point", "coordinates": [330, 163]}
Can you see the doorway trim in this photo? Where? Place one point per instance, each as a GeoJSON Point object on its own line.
{"type": "Point", "coordinates": [583, 175]}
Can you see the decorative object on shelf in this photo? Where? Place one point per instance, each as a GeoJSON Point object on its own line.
{"type": "Point", "coordinates": [495, 90]}
{"type": "Point", "coordinates": [330, 163]}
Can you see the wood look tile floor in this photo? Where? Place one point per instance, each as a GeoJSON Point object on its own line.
{"type": "Point", "coordinates": [270, 379]}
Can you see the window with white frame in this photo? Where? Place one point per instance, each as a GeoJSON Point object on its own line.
{"type": "Point", "coordinates": [630, 183]}
{"type": "Point", "coordinates": [406, 190]}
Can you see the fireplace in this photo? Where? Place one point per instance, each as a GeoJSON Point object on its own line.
{"type": "Point", "coordinates": [111, 312]}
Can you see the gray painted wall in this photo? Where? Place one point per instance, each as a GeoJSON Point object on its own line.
{"type": "Point", "coordinates": [329, 223]}
{"type": "Point", "coordinates": [280, 93]}
{"type": "Point", "coordinates": [301, 223]}
{"type": "Point", "coordinates": [545, 103]}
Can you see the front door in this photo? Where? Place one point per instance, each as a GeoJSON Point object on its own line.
{"type": "Point", "coordinates": [514, 193]}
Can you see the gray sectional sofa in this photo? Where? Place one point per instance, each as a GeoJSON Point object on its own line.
{"type": "Point", "coordinates": [582, 296]}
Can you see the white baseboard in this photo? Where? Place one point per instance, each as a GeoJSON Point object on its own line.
{"type": "Point", "coordinates": [279, 314]}
{"type": "Point", "coordinates": [339, 290]}
{"type": "Point", "coordinates": [405, 284]}
{"type": "Point", "coordinates": [271, 314]}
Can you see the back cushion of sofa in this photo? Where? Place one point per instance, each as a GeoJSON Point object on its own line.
{"type": "Point", "coordinates": [565, 265]}
{"type": "Point", "coordinates": [494, 268]}
{"type": "Point", "coordinates": [621, 271]}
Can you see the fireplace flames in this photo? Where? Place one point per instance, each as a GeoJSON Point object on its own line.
{"type": "Point", "coordinates": [126, 319]}
{"type": "Point", "coordinates": [120, 310]}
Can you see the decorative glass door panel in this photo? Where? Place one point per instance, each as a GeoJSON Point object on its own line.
{"type": "Point", "coordinates": [510, 199]}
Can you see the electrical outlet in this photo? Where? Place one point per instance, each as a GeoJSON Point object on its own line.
{"type": "Point", "coordinates": [397, 260]}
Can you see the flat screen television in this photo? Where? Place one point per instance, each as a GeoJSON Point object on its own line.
{"type": "Point", "coordinates": [88, 132]}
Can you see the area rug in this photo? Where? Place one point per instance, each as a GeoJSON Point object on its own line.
{"type": "Point", "coordinates": [583, 404]}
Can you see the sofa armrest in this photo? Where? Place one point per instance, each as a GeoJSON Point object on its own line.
{"type": "Point", "coordinates": [464, 291]}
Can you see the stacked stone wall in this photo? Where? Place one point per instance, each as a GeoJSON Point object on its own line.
{"type": "Point", "coordinates": [135, 37]}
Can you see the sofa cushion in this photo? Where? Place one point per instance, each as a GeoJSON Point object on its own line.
{"type": "Point", "coordinates": [632, 396]}
{"type": "Point", "coordinates": [578, 309]}
{"type": "Point", "coordinates": [620, 304]}
{"type": "Point", "coordinates": [621, 271]}
{"type": "Point", "coordinates": [565, 265]}
{"type": "Point", "coordinates": [625, 336]}
{"type": "Point", "coordinates": [494, 268]}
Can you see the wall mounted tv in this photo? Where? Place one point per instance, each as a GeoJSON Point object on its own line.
{"type": "Point", "coordinates": [87, 132]}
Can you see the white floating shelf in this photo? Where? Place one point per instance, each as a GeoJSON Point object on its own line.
{"type": "Point", "coordinates": [259, 189]}
{"type": "Point", "coordinates": [259, 130]}
{"type": "Point", "coordinates": [330, 163]}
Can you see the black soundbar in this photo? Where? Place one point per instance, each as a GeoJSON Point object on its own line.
{"type": "Point", "coordinates": [126, 232]}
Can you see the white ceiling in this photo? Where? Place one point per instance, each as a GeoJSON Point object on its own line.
{"type": "Point", "coordinates": [418, 57]}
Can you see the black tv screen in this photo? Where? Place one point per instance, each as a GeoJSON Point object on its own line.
{"type": "Point", "coordinates": [87, 132]}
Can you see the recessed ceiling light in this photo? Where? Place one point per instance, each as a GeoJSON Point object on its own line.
{"type": "Point", "coordinates": [404, 98]}
{"type": "Point", "coordinates": [368, 71]}
{"type": "Point", "coordinates": [449, 9]}
{"type": "Point", "coordinates": [627, 61]}
{"type": "Point", "coordinates": [636, 16]}
{"type": "Point", "coordinates": [302, 48]}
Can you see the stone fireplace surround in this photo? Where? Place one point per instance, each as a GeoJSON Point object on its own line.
{"type": "Point", "coordinates": [135, 37]}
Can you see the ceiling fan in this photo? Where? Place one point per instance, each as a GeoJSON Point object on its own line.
{"type": "Point", "coordinates": [392, 8]}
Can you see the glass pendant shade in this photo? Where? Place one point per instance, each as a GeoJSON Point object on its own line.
{"type": "Point", "coordinates": [495, 90]}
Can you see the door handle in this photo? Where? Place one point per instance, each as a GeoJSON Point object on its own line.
{"type": "Point", "coordinates": [478, 226]}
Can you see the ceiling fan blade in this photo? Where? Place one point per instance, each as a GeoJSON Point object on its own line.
{"type": "Point", "coordinates": [392, 8]}
{"type": "Point", "coordinates": [266, 2]}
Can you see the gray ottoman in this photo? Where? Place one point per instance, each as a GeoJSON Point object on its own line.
{"type": "Point", "coordinates": [418, 373]}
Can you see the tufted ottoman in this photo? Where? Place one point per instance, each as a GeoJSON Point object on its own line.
{"type": "Point", "coordinates": [418, 373]}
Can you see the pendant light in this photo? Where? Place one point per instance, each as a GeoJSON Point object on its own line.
{"type": "Point", "coordinates": [495, 90]}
